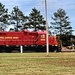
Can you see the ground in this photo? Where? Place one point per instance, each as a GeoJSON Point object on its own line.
{"type": "Point", "coordinates": [62, 63]}
{"type": "Point", "coordinates": [68, 49]}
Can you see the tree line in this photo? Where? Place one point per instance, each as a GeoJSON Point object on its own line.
{"type": "Point", "coordinates": [17, 18]}
{"type": "Point", "coordinates": [60, 25]}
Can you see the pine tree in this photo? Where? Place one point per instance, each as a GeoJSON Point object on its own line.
{"type": "Point", "coordinates": [61, 24]}
{"type": "Point", "coordinates": [36, 20]}
{"type": "Point", "coordinates": [17, 18]}
{"type": "Point", "coordinates": [3, 17]}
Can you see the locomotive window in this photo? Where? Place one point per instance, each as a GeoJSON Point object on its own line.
{"type": "Point", "coordinates": [42, 36]}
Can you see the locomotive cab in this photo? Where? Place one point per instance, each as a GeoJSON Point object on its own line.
{"type": "Point", "coordinates": [53, 44]}
{"type": "Point", "coordinates": [41, 38]}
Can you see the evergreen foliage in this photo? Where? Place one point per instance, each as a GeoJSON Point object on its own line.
{"type": "Point", "coordinates": [36, 20]}
{"type": "Point", "coordinates": [17, 18]}
{"type": "Point", "coordinates": [62, 27]}
{"type": "Point", "coordinates": [61, 24]}
{"type": "Point", "coordinates": [3, 17]}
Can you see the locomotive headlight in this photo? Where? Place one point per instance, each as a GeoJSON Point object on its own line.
{"type": "Point", "coordinates": [56, 45]}
{"type": "Point", "coordinates": [42, 39]}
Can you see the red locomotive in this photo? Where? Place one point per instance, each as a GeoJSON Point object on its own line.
{"type": "Point", "coordinates": [28, 40]}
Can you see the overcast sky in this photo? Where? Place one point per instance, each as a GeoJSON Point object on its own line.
{"type": "Point", "coordinates": [53, 5]}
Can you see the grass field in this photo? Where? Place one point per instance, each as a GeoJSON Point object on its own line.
{"type": "Point", "coordinates": [37, 64]}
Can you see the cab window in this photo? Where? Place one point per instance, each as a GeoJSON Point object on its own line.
{"type": "Point", "coordinates": [42, 36]}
